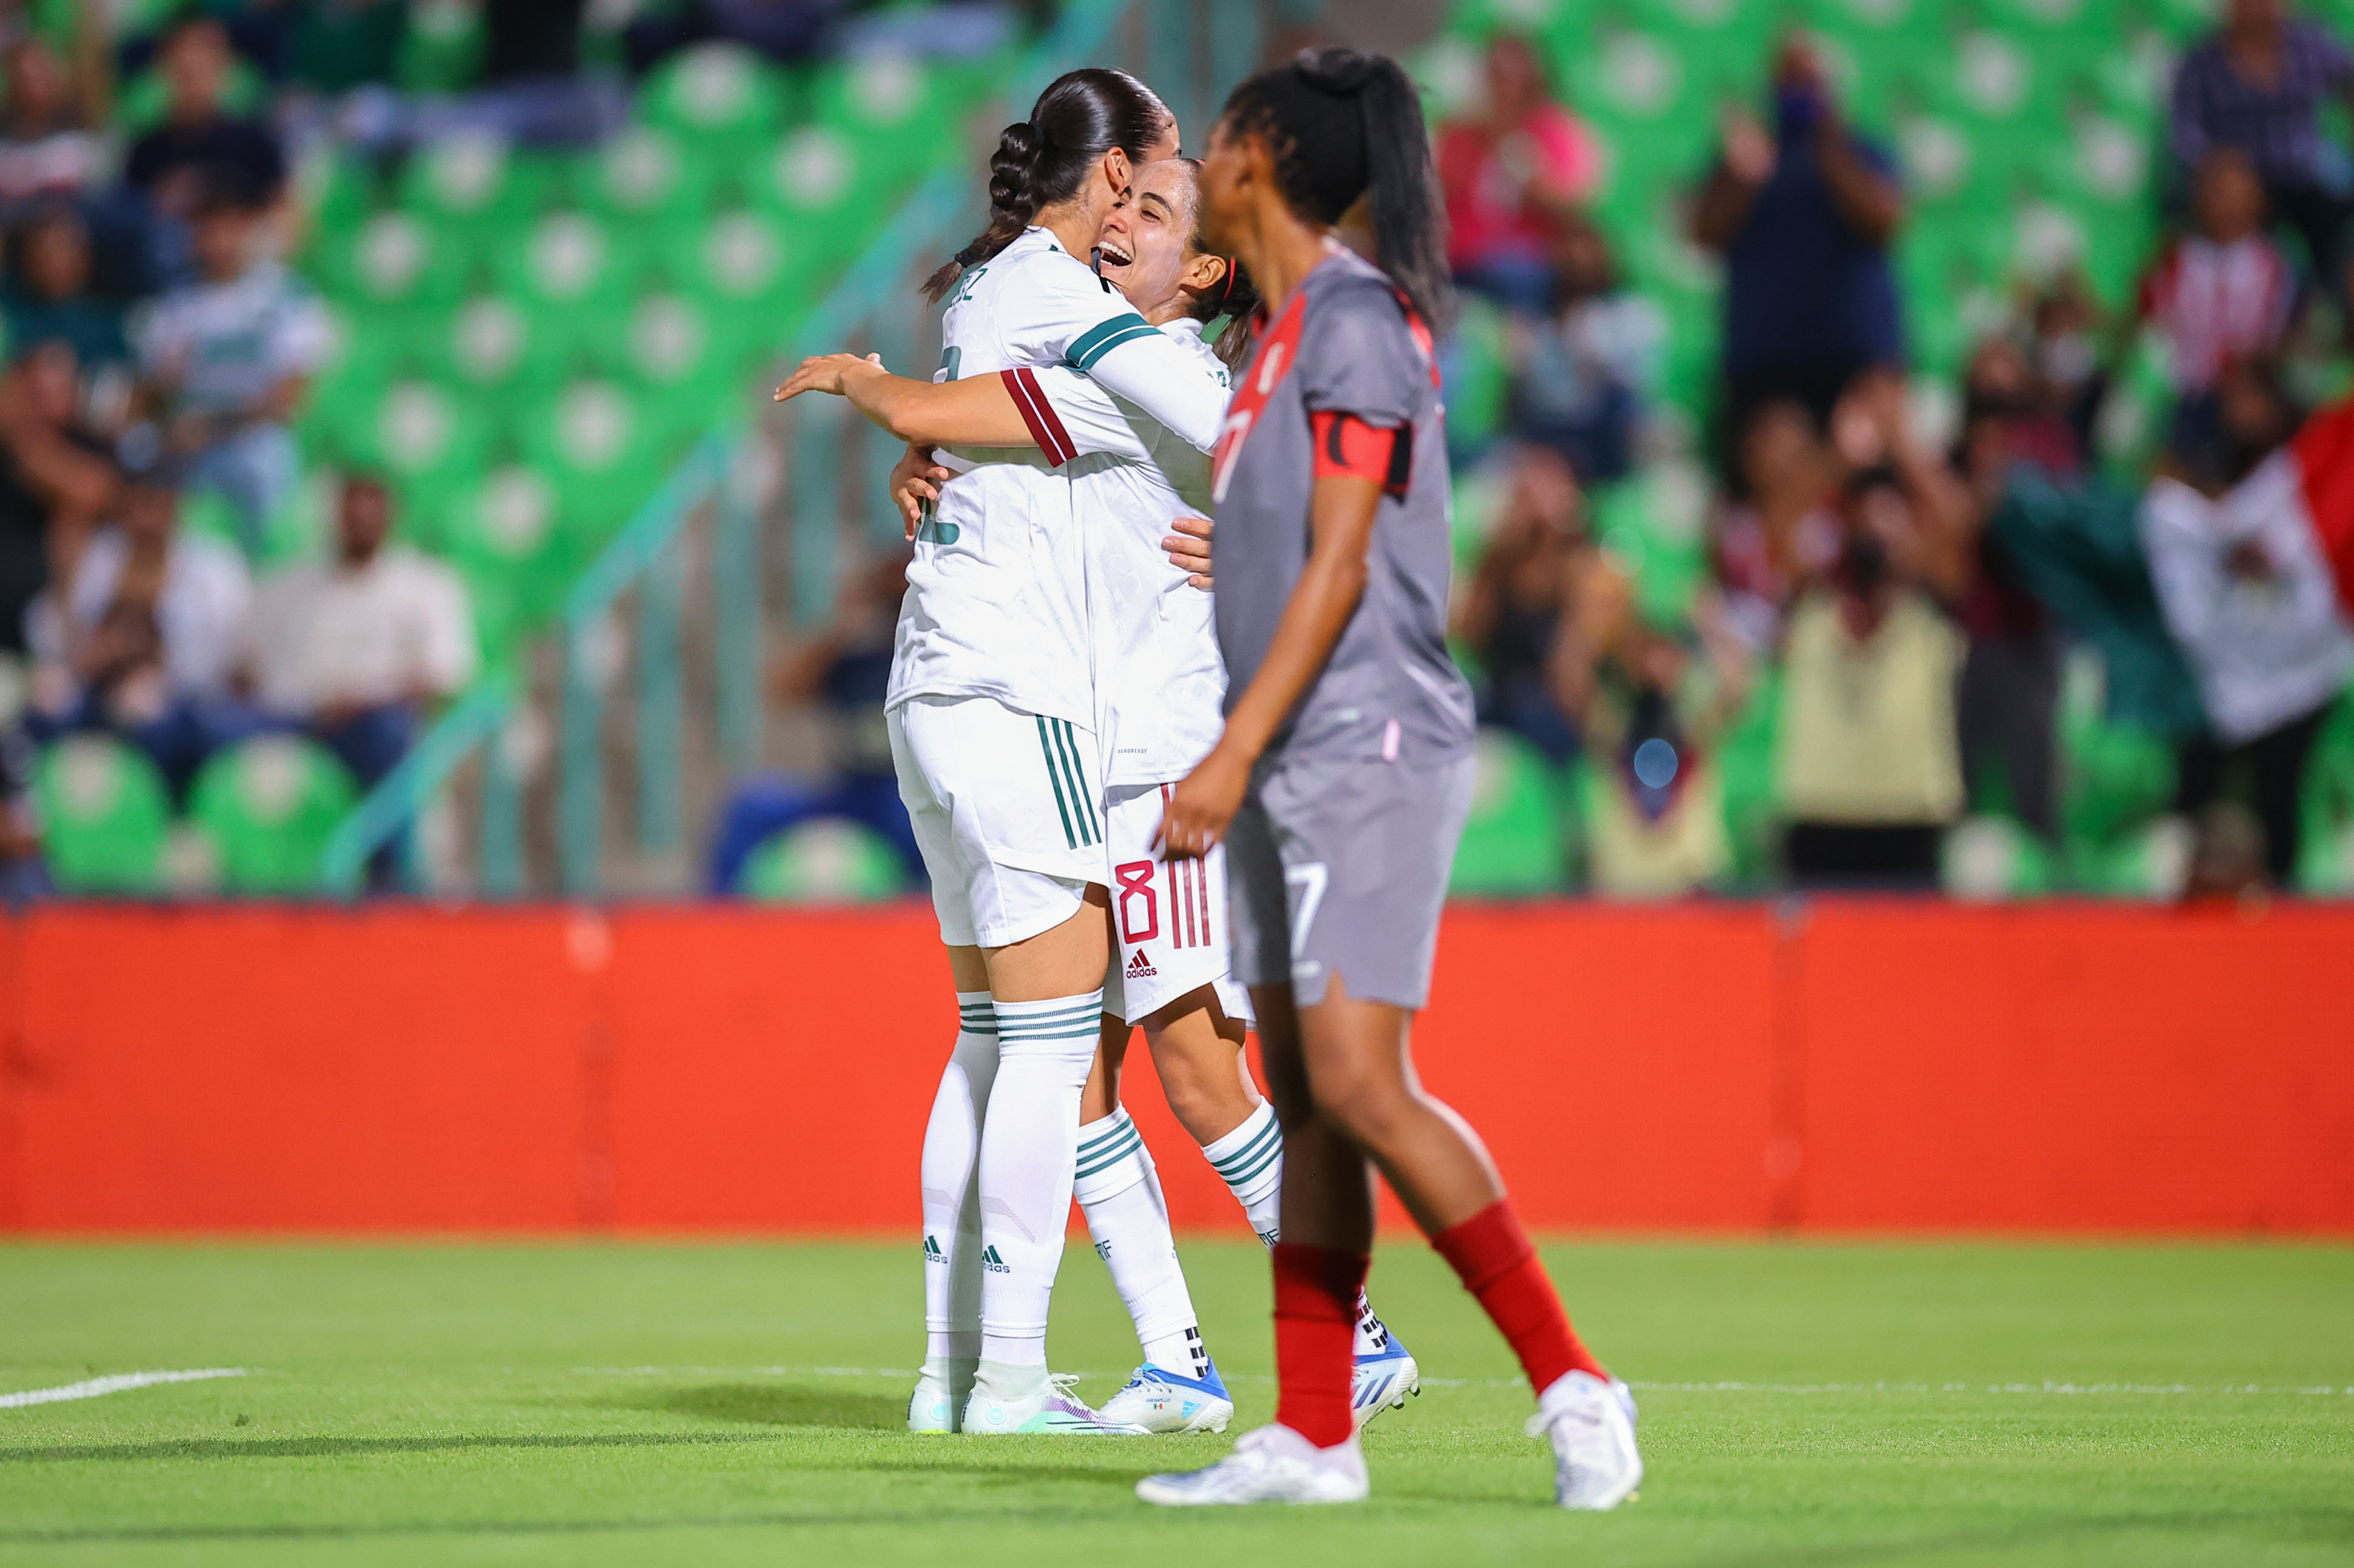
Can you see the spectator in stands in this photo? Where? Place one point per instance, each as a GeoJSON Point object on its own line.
{"type": "Point", "coordinates": [200, 151]}
{"type": "Point", "coordinates": [2250, 597]}
{"type": "Point", "coordinates": [1514, 172]}
{"type": "Point", "coordinates": [531, 88]}
{"type": "Point", "coordinates": [2222, 295]}
{"type": "Point", "coordinates": [2009, 693]}
{"type": "Point", "coordinates": [335, 45]}
{"type": "Point", "coordinates": [1651, 707]}
{"type": "Point", "coordinates": [1804, 215]}
{"type": "Point", "coordinates": [2256, 87]}
{"type": "Point", "coordinates": [1580, 378]}
{"type": "Point", "coordinates": [357, 649]}
{"type": "Point", "coordinates": [1868, 763]}
{"type": "Point", "coordinates": [48, 150]}
{"type": "Point", "coordinates": [51, 297]}
{"type": "Point", "coordinates": [843, 672]}
{"type": "Point", "coordinates": [139, 638]}
{"type": "Point", "coordinates": [1513, 614]}
{"type": "Point", "coordinates": [1782, 535]}
{"type": "Point", "coordinates": [55, 482]}
{"type": "Point", "coordinates": [225, 361]}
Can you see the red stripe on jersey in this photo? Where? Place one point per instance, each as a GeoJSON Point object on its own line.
{"type": "Point", "coordinates": [1038, 414]}
{"type": "Point", "coordinates": [1260, 377]}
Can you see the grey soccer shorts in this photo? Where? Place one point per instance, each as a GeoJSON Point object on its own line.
{"type": "Point", "coordinates": [1338, 866]}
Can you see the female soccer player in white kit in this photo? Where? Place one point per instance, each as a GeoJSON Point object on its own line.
{"type": "Point", "coordinates": [992, 722]}
{"type": "Point", "coordinates": [1159, 681]}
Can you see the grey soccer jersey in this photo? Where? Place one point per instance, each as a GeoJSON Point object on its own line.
{"type": "Point", "coordinates": [1345, 346]}
{"type": "Point", "coordinates": [1338, 861]}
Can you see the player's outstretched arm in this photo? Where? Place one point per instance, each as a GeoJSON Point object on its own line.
{"type": "Point", "coordinates": [1340, 522]}
{"type": "Point", "coordinates": [977, 411]}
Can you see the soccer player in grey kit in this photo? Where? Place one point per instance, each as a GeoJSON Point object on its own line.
{"type": "Point", "coordinates": [1343, 779]}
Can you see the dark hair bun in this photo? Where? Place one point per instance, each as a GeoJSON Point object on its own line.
{"type": "Point", "coordinates": [1337, 71]}
{"type": "Point", "coordinates": [1013, 167]}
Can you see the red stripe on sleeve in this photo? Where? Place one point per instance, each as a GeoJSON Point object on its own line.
{"type": "Point", "coordinates": [1038, 414]}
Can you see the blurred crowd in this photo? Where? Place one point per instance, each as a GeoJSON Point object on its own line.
{"type": "Point", "coordinates": [1899, 576]}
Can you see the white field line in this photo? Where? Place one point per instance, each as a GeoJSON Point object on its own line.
{"type": "Point", "coordinates": [2045, 1387]}
{"type": "Point", "coordinates": [93, 1387]}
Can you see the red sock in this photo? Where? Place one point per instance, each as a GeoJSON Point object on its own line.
{"type": "Point", "coordinates": [1492, 1255]}
{"type": "Point", "coordinates": [1315, 1321]}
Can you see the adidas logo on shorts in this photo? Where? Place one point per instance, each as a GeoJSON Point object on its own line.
{"type": "Point", "coordinates": [994, 1264]}
{"type": "Point", "coordinates": [1138, 969]}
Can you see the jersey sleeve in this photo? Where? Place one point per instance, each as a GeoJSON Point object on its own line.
{"type": "Point", "coordinates": [1358, 356]}
{"type": "Point", "coordinates": [1070, 416]}
{"type": "Point", "coordinates": [1069, 316]}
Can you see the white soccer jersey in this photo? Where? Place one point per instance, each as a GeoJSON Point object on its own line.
{"type": "Point", "coordinates": [1159, 682]}
{"type": "Point", "coordinates": [997, 595]}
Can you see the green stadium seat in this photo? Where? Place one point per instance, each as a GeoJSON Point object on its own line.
{"type": "Point", "coordinates": [573, 267]}
{"type": "Point", "coordinates": [816, 182]}
{"type": "Point", "coordinates": [887, 105]}
{"type": "Point", "coordinates": [678, 355]}
{"type": "Point", "coordinates": [1985, 859]}
{"type": "Point", "coordinates": [104, 816]}
{"type": "Point", "coordinates": [743, 263]}
{"type": "Point", "coordinates": [473, 178]}
{"type": "Point", "coordinates": [426, 435]}
{"type": "Point", "coordinates": [337, 191]}
{"type": "Point", "coordinates": [1478, 380]}
{"type": "Point", "coordinates": [828, 859]}
{"type": "Point", "coordinates": [604, 449]}
{"type": "Point", "coordinates": [1514, 844]}
{"type": "Point", "coordinates": [395, 259]}
{"type": "Point", "coordinates": [715, 93]}
{"type": "Point", "coordinates": [2326, 853]}
{"type": "Point", "coordinates": [644, 174]}
{"type": "Point", "coordinates": [506, 534]}
{"type": "Point", "coordinates": [442, 50]}
{"type": "Point", "coordinates": [492, 344]}
{"type": "Point", "coordinates": [267, 808]}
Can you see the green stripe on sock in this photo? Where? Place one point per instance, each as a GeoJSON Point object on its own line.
{"type": "Point", "coordinates": [1104, 1160]}
{"type": "Point", "coordinates": [1250, 1152]}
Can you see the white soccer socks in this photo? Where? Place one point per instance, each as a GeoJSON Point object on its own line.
{"type": "Point", "coordinates": [1119, 1192]}
{"type": "Point", "coordinates": [1249, 1160]}
{"type": "Point", "coordinates": [952, 1243]}
{"type": "Point", "coordinates": [1029, 1141]}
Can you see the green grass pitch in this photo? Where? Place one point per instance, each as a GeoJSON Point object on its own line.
{"type": "Point", "coordinates": [650, 1403]}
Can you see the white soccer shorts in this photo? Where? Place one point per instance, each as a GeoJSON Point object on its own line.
{"type": "Point", "coordinates": [1006, 811]}
{"type": "Point", "coordinates": [1168, 916]}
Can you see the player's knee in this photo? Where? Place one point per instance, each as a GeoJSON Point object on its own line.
{"type": "Point", "coordinates": [1367, 1106]}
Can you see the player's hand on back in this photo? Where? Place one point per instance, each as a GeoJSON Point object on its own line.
{"type": "Point", "coordinates": [822, 373]}
{"type": "Point", "coordinates": [1203, 805]}
{"type": "Point", "coordinates": [1188, 549]}
{"type": "Point", "coordinates": [915, 480]}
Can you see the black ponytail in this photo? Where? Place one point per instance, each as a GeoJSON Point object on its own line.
{"type": "Point", "coordinates": [1343, 125]}
{"type": "Point", "coordinates": [1082, 115]}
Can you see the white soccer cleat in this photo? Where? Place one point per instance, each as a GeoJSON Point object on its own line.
{"type": "Point", "coordinates": [1382, 1379]}
{"type": "Point", "coordinates": [933, 1406]}
{"type": "Point", "coordinates": [1054, 1407]}
{"type": "Point", "coordinates": [1273, 1464]}
{"type": "Point", "coordinates": [1592, 1426]}
{"type": "Point", "coordinates": [1161, 1401]}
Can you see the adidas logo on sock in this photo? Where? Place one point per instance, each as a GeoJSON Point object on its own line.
{"type": "Point", "coordinates": [994, 1264]}
{"type": "Point", "coordinates": [1138, 969]}
{"type": "Point", "coordinates": [932, 1253]}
